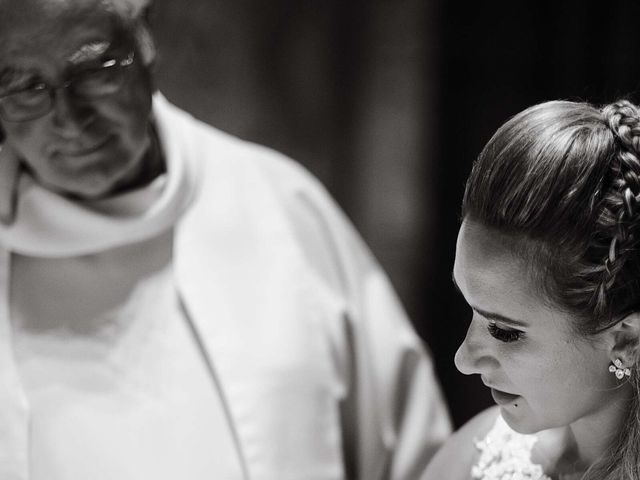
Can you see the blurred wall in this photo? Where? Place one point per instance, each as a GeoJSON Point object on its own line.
{"type": "Point", "coordinates": [388, 103]}
{"type": "Point", "coordinates": [342, 87]}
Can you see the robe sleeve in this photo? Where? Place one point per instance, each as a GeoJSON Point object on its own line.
{"type": "Point", "coordinates": [392, 412]}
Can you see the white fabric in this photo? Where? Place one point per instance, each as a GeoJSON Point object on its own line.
{"type": "Point", "coordinates": [14, 408]}
{"type": "Point", "coordinates": [122, 393]}
{"type": "Point", "coordinates": [51, 225]}
{"type": "Point", "coordinates": [322, 374]}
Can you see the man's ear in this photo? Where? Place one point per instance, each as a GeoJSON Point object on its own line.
{"type": "Point", "coordinates": [10, 167]}
{"type": "Point", "coordinates": [625, 339]}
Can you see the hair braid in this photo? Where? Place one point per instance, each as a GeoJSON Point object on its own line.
{"type": "Point", "coordinates": [621, 207]}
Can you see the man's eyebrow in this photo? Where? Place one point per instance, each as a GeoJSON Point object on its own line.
{"type": "Point", "coordinates": [491, 315]}
{"type": "Point", "coordinates": [89, 51]}
{"type": "Point", "coordinates": [10, 78]}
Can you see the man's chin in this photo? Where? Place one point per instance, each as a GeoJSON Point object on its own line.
{"type": "Point", "coordinates": [96, 181]}
{"type": "Point", "coordinates": [82, 192]}
{"type": "Point", "coordinates": [85, 185]}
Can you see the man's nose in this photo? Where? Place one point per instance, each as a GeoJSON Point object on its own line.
{"type": "Point", "coordinates": [71, 115]}
{"type": "Point", "coordinates": [475, 354]}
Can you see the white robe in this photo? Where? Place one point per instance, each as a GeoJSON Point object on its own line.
{"type": "Point", "coordinates": [324, 376]}
{"type": "Point", "coordinates": [316, 367]}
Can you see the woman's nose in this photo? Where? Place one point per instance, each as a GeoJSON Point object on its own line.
{"type": "Point", "coordinates": [463, 359]}
{"type": "Point", "coordinates": [473, 356]}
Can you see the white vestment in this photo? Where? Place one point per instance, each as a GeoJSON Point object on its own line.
{"type": "Point", "coordinates": [320, 374]}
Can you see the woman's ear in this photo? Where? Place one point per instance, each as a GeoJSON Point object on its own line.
{"type": "Point", "coordinates": [625, 339]}
{"type": "Point", "coordinates": [9, 176]}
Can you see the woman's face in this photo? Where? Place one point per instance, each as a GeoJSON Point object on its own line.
{"type": "Point", "coordinates": [541, 373]}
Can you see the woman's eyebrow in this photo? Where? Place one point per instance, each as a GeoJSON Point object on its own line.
{"type": "Point", "coordinates": [491, 315]}
{"type": "Point", "coordinates": [500, 318]}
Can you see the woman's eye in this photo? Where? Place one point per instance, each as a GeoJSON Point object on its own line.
{"type": "Point", "coordinates": [504, 335]}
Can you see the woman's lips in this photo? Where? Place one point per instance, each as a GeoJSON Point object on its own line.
{"type": "Point", "coordinates": [503, 398]}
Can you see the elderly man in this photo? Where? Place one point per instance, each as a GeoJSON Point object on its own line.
{"type": "Point", "coordinates": [176, 303]}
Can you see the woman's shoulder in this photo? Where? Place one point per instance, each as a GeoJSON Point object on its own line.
{"type": "Point", "coordinates": [459, 453]}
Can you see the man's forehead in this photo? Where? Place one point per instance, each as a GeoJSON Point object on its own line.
{"type": "Point", "coordinates": [50, 55]}
{"type": "Point", "coordinates": [51, 18]}
{"type": "Point", "coordinates": [16, 15]}
{"type": "Point", "coordinates": [47, 35]}
{"type": "Point", "coordinates": [134, 7]}
{"type": "Point", "coordinates": [19, 69]}
{"type": "Point", "coordinates": [75, 43]}
{"type": "Point", "coordinates": [72, 28]}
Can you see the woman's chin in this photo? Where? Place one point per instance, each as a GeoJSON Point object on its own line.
{"type": "Point", "coordinates": [518, 419]}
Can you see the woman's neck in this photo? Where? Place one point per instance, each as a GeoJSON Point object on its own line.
{"type": "Point", "coordinates": [567, 452]}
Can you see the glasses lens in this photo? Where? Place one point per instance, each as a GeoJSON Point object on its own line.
{"type": "Point", "coordinates": [25, 105]}
{"type": "Point", "coordinates": [99, 82]}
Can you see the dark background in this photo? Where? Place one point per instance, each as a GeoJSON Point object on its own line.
{"type": "Point", "coordinates": [388, 102]}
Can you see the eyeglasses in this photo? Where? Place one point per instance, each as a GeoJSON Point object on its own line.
{"type": "Point", "coordinates": [38, 99]}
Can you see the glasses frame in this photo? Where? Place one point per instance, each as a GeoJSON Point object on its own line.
{"type": "Point", "coordinates": [52, 90]}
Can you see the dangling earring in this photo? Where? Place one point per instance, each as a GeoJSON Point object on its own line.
{"type": "Point", "coordinates": [619, 370]}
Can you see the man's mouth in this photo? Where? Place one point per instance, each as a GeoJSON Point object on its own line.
{"type": "Point", "coordinates": [83, 150]}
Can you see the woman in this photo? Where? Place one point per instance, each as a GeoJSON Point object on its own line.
{"type": "Point", "coordinates": [548, 259]}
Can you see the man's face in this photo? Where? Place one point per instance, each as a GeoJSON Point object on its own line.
{"type": "Point", "coordinates": [82, 147]}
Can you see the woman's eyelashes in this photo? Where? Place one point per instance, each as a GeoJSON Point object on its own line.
{"type": "Point", "coordinates": [503, 335]}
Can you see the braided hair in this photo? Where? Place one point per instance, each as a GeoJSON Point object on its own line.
{"type": "Point", "coordinates": [563, 180]}
{"type": "Point", "coordinates": [621, 206]}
